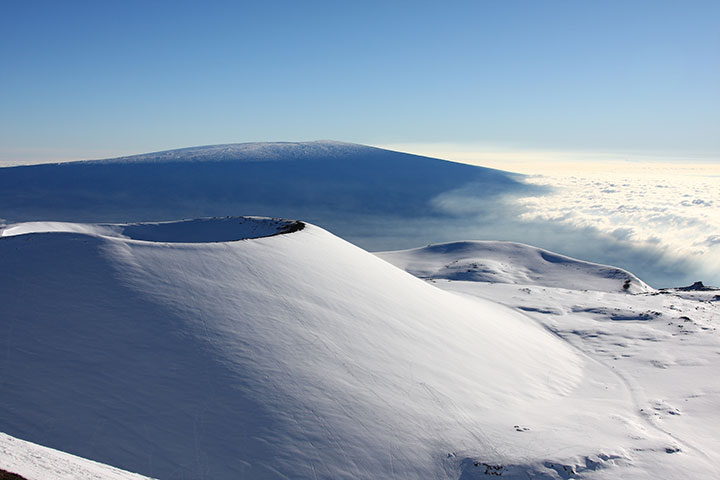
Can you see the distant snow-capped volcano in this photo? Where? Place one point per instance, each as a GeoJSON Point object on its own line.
{"type": "Point", "coordinates": [348, 188]}
{"type": "Point", "coordinates": [251, 151]}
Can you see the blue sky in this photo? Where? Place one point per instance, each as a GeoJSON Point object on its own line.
{"type": "Point", "coordinates": [95, 79]}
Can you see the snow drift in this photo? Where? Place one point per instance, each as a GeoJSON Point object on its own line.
{"type": "Point", "coordinates": [35, 462]}
{"type": "Point", "coordinates": [291, 356]}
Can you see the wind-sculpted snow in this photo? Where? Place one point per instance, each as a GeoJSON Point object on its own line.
{"type": "Point", "coordinates": [291, 356]}
{"type": "Point", "coordinates": [509, 262]}
{"type": "Point", "coordinates": [35, 462]}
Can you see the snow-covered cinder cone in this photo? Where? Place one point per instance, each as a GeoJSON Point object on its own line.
{"type": "Point", "coordinates": [511, 262]}
{"type": "Point", "coordinates": [253, 348]}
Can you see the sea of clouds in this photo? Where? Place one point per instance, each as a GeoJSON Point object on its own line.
{"type": "Point", "coordinates": [654, 213]}
{"type": "Point", "coordinates": [670, 209]}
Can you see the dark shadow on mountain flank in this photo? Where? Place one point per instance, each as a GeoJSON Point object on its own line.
{"type": "Point", "coordinates": [314, 184]}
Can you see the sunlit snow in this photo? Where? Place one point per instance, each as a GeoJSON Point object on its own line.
{"type": "Point", "coordinates": [300, 355]}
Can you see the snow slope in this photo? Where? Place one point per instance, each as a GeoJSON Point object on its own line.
{"type": "Point", "coordinates": [509, 262]}
{"type": "Point", "coordinates": [34, 462]}
{"type": "Point", "coordinates": [292, 356]}
{"type": "Point", "coordinates": [662, 345]}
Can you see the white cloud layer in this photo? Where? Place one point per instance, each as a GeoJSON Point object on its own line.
{"type": "Point", "coordinates": [672, 208]}
{"type": "Point", "coordinates": [660, 205]}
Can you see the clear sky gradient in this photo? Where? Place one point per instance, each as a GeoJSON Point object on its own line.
{"type": "Point", "coordinates": [97, 79]}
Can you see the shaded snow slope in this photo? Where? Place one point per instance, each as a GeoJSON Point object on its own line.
{"type": "Point", "coordinates": [291, 356]}
{"type": "Point", "coordinates": [509, 262]}
{"type": "Point", "coordinates": [35, 462]}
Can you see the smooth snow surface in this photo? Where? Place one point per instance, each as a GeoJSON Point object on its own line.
{"type": "Point", "coordinates": [293, 356]}
{"type": "Point", "coordinates": [35, 462]}
{"type": "Point", "coordinates": [508, 262]}
{"type": "Point", "coordinates": [662, 346]}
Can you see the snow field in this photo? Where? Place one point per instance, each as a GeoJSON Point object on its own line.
{"type": "Point", "coordinates": [302, 356]}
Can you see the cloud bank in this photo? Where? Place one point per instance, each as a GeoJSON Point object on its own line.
{"type": "Point", "coordinates": [671, 209]}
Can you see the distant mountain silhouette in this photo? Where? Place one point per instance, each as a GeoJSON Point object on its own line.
{"type": "Point", "coordinates": [343, 187]}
